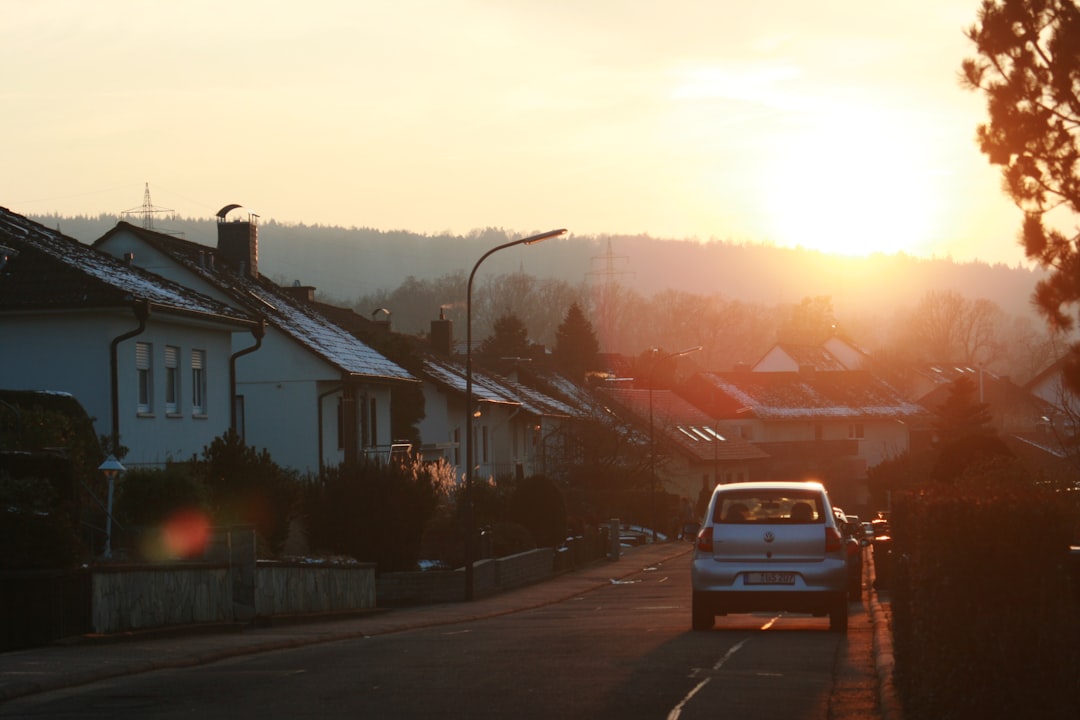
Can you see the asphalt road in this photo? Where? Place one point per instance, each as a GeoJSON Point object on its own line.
{"type": "Point", "coordinates": [621, 650]}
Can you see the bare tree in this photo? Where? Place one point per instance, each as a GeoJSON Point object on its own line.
{"type": "Point", "coordinates": [947, 327]}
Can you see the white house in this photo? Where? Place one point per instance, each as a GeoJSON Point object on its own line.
{"type": "Point", "coordinates": [514, 426]}
{"type": "Point", "coordinates": [146, 357]}
{"type": "Point", "coordinates": [309, 392]}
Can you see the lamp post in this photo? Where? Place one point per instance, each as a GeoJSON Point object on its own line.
{"type": "Point", "coordinates": [652, 434]}
{"type": "Point", "coordinates": [470, 516]}
{"type": "Point", "coordinates": [111, 469]}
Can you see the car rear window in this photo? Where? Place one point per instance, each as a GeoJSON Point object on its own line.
{"type": "Point", "coordinates": [792, 507]}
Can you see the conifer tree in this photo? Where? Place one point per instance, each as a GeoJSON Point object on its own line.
{"type": "Point", "coordinates": [576, 347]}
{"type": "Point", "coordinates": [1028, 66]}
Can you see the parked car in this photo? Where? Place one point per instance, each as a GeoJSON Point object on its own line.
{"type": "Point", "coordinates": [854, 542]}
{"type": "Point", "coordinates": [770, 546]}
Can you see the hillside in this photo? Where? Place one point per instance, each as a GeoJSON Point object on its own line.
{"type": "Point", "coordinates": [344, 263]}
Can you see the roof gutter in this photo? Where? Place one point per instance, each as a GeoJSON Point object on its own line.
{"type": "Point", "coordinates": [259, 331]}
{"type": "Point", "coordinates": [142, 313]}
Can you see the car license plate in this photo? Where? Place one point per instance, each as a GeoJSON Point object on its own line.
{"type": "Point", "coordinates": [770, 578]}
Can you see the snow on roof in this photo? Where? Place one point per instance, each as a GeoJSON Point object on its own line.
{"type": "Point", "coordinates": [797, 395]}
{"type": "Point", "coordinates": [333, 343]}
{"type": "Point", "coordinates": [102, 279]}
{"type": "Point", "coordinates": [492, 388]}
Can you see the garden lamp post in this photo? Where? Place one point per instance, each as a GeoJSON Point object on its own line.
{"type": "Point", "coordinates": [470, 515]}
{"type": "Point", "coordinates": [111, 468]}
{"type": "Point", "coordinates": [652, 434]}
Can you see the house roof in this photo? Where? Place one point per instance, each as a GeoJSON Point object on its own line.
{"type": "Point", "coordinates": [797, 395]}
{"type": "Point", "coordinates": [806, 356]}
{"type": "Point", "coordinates": [681, 423]}
{"type": "Point", "coordinates": [491, 388]}
{"type": "Point", "coordinates": [302, 323]}
{"type": "Point", "coordinates": [46, 270]}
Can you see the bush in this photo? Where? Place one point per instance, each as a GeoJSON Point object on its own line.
{"type": "Point", "coordinates": [982, 599]}
{"type": "Point", "coordinates": [34, 530]}
{"type": "Point", "coordinates": [375, 512]}
{"type": "Point", "coordinates": [246, 487]}
{"type": "Point", "coordinates": [161, 514]}
{"type": "Point", "coordinates": [537, 504]}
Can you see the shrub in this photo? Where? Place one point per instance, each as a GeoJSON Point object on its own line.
{"type": "Point", "coordinates": [375, 512]}
{"type": "Point", "coordinates": [537, 504]}
{"type": "Point", "coordinates": [982, 599]}
{"type": "Point", "coordinates": [246, 487]}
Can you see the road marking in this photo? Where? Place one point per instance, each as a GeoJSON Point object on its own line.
{"type": "Point", "coordinates": [677, 710]}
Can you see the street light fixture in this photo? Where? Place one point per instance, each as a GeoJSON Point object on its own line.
{"type": "Point", "coordinates": [111, 468]}
{"type": "Point", "coordinates": [652, 437]}
{"type": "Point", "coordinates": [470, 515]}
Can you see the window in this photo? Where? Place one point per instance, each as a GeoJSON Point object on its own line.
{"type": "Point", "coordinates": [144, 353]}
{"type": "Point", "coordinates": [172, 379]}
{"type": "Point", "coordinates": [856, 431]}
{"type": "Point", "coordinates": [457, 446]}
{"type": "Point", "coordinates": [484, 444]}
{"type": "Point", "coordinates": [198, 382]}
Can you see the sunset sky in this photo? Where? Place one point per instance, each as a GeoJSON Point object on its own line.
{"type": "Point", "coordinates": [837, 125]}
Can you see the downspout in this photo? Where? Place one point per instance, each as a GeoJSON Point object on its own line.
{"type": "Point", "coordinates": [142, 312]}
{"type": "Point", "coordinates": [319, 415]}
{"type": "Point", "coordinates": [258, 331]}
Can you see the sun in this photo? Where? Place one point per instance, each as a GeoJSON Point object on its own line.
{"type": "Point", "coordinates": [850, 184]}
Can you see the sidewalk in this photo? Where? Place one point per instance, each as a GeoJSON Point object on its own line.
{"type": "Point", "coordinates": [89, 659]}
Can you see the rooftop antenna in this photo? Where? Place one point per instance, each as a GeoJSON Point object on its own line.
{"type": "Point", "coordinates": [147, 210]}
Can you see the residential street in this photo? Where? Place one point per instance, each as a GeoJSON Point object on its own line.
{"type": "Point", "coordinates": [612, 641]}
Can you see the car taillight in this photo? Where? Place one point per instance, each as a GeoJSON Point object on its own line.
{"type": "Point", "coordinates": [704, 539]}
{"type": "Point", "coordinates": [833, 540]}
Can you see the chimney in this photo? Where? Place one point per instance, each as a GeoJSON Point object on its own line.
{"type": "Point", "coordinates": [442, 334]}
{"type": "Point", "coordinates": [381, 318]}
{"type": "Point", "coordinates": [238, 242]}
{"type": "Point", "coordinates": [300, 293]}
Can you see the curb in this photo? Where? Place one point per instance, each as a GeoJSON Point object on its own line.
{"type": "Point", "coordinates": [884, 662]}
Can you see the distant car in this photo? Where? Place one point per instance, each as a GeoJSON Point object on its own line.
{"type": "Point", "coordinates": [868, 529]}
{"type": "Point", "coordinates": [770, 546]}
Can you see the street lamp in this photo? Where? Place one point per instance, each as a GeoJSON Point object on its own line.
{"type": "Point", "coordinates": [111, 469]}
{"type": "Point", "coordinates": [470, 516]}
{"type": "Point", "coordinates": [652, 437]}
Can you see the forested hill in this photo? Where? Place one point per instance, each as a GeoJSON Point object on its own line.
{"type": "Point", "coordinates": [345, 263]}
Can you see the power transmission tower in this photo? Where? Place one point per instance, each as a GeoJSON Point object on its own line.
{"type": "Point", "coordinates": [605, 282]}
{"type": "Point", "coordinates": [146, 210]}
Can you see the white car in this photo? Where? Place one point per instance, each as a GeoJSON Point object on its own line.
{"type": "Point", "coordinates": [769, 546]}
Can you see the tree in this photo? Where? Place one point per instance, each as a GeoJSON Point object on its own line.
{"type": "Point", "coordinates": [1028, 66]}
{"type": "Point", "coordinates": [511, 340]}
{"type": "Point", "coordinates": [947, 327]}
{"type": "Point", "coordinates": [811, 322]}
{"type": "Point", "coordinates": [962, 414]}
{"type": "Point", "coordinates": [576, 347]}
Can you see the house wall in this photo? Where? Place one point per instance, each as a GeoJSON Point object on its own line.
{"type": "Point", "coordinates": [70, 353]}
{"type": "Point", "coordinates": [776, 360]}
{"type": "Point", "coordinates": [443, 414]}
{"type": "Point", "coordinates": [280, 387]}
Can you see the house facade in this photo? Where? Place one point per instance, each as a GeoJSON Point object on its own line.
{"type": "Point", "coordinates": [147, 358]}
{"type": "Point", "coordinates": [306, 390]}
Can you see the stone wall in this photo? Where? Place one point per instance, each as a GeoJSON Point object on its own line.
{"type": "Point", "coordinates": [125, 598]}
{"type": "Point", "coordinates": [299, 588]}
{"type": "Point", "coordinates": [442, 586]}
{"type": "Point", "coordinates": [128, 597]}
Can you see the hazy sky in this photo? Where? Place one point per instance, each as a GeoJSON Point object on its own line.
{"type": "Point", "coordinates": [834, 124]}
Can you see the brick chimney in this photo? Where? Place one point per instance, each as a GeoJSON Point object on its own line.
{"type": "Point", "coordinates": [442, 335]}
{"type": "Point", "coordinates": [238, 242]}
